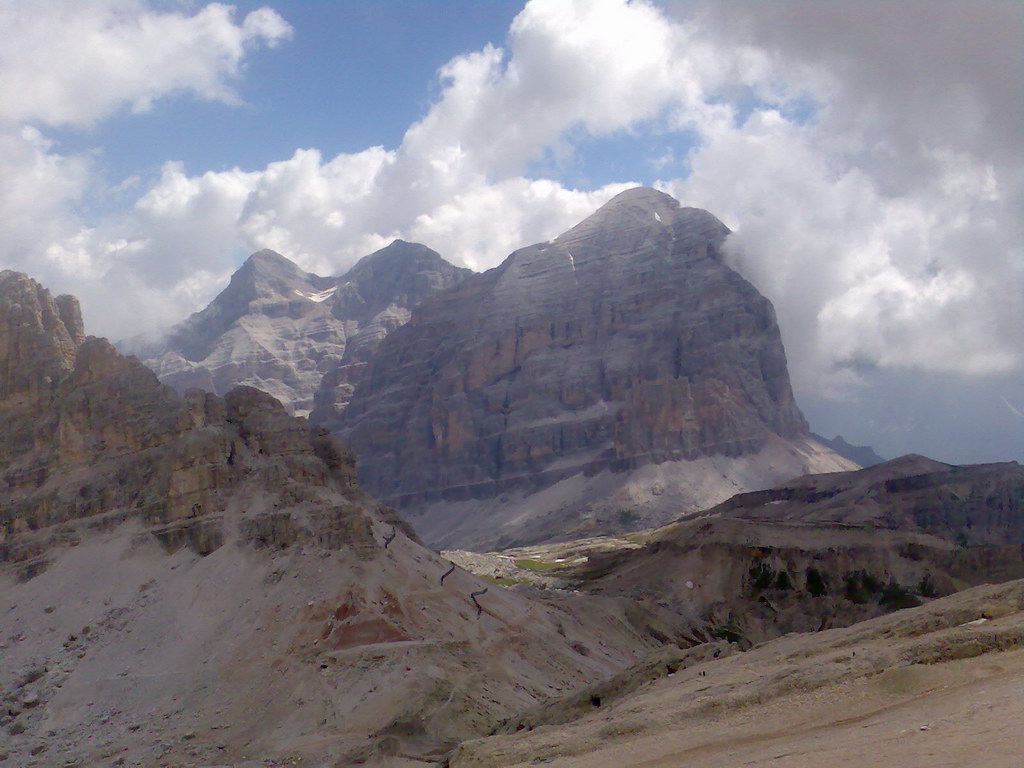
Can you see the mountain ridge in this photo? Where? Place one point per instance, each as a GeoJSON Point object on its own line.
{"type": "Point", "coordinates": [281, 329]}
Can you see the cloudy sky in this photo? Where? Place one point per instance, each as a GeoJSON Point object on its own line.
{"type": "Point", "coordinates": [866, 153]}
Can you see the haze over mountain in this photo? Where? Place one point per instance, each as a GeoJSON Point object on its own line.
{"type": "Point", "coordinates": [864, 455]}
{"type": "Point", "coordinates": [280, 329]}
{"type": "Point", "coordinates": [622, 364]}
{"type": "Point", "coordinates": [872, 183]}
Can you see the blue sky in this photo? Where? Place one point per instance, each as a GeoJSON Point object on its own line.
{"type": "Point", "coordinates": [867, 157]}
{"type": "Point", "coordinates": [352, 75]}
{"type": "Point", "coordinates": [347, 76]}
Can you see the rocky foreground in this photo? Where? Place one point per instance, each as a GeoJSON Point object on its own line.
{"type": "Point", "coordinates": [938, 685]}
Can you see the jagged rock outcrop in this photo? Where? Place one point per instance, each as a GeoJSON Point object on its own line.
{"type": "Point", "coordinates": [625, 342]}
{"type": "Point", "coordinates": [38, 338]}
{"type": "Point", "coordinates": [200, 580]}
{"type": "Point", "coordinates": [90, 435]}
{"type": "Point", "coordinates": [280, 329]}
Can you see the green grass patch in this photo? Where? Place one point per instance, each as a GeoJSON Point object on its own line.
{"type": "Point", "coordinates": [528, 564]}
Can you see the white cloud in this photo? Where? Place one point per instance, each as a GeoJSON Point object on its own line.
{"type": "Point", "coordinates": [73, 62]}
{"type": "Point", "coordinates": [927, 280]}
{"type": "Point", "coordinates": [887, 228]}
{"type": "Point", "coordinates": [36, 189]}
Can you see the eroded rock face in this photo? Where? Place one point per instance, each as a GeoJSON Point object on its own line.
{"type": "Point", "coordinates": [280, 329]}
{"type": "Point", "coordinates": [624, 342]}
{"type": "Point", "coordinates": [39, 335]}
{"type": "Point", "coordinates": [90, 435]}
{"type": "Point", "coordinates": [378, 294]}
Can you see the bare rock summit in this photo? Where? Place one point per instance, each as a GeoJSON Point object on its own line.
{"type": "Point", "coordinates": [281, 329]}
{"type": "Point", "coordinates": [624, 344]}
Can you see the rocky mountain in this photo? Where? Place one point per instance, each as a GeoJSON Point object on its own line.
{"type": "Point", "coordinates": [281, 330]}
{"type": "Point", "coordinates": [610, 378]}
{"type": "Point", "coordinates": [378, 294]}
{"type": "Point", "coordinates": [829, 550]}
{"type": "Point", "coordinates": [864, 455]}
{"type": "Point", "coordinates": [200, 580]}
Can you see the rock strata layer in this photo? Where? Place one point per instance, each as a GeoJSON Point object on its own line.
{"type": "Point", "coordinates": [625, 342]}
{"type": "Point", "coordinates": [91, 438]}
{"type": "Point", "coordinates": [281, 330]}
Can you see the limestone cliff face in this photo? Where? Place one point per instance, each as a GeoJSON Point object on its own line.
{"type": "Point", "coordinates": [38, 338]}
{"type": "Point", "coordinates": [280, 329]}
{"type": "Point", "coordinates": [90, 436]}
{"type": "Point", "coordinates": [378, 295]}
{"type": "Point", "coordinates": [624, 342]}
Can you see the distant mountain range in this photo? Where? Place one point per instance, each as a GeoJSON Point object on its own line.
{"type": "Point", "coordinates": [863, 455]}
{"type": "Point", "coordinates": [607, 380]}
{"type": "Point", "coordinates": [833, 549]}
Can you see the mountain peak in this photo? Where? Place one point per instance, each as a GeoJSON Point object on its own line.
{"type": "Point", "coordinates": [272, 264]}
{"type": "Point", "coordinates": [402, 272]}
{"type": "Point", "coordinates": [625, 342]}
{"type": "Point", "coordinates": [268, 255]}
{"type": "Point", "coordinates": [39, 336]}
{"type": "Point", "coordinates": [281, 329]}
{"type": "Point", "coordinates": [646, 212]}
{"type": "Point", "coordinates": [267, 274]}
{"type": "Point", "coordinates": [645, 196]}
{"type": "Point", "coordinates": [629, 207]}
{"type": "Point", "coordinates": [399, 256]}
